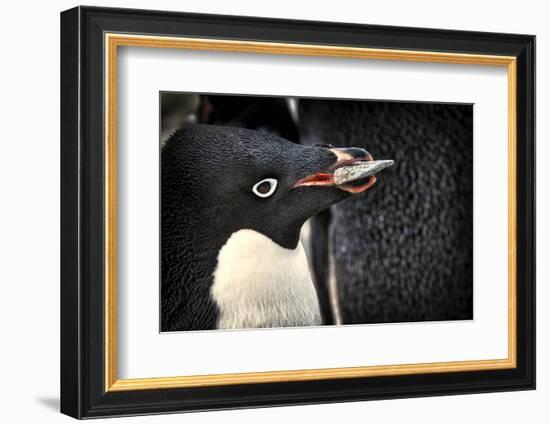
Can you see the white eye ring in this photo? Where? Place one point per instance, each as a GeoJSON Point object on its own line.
{"type": "Point", "coordinates": [272, 182]}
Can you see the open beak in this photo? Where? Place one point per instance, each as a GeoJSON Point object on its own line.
{"type": "Point", "coordinates": [354, 171]}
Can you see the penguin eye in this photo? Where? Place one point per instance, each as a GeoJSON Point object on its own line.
{"type": "Point", "coordinates": [265, 188]}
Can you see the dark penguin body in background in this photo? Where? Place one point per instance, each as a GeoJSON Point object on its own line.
{"type": "Point", "coordinates": [225, 225]}
{"type": "Point", "coordinates": [267, 114]}
{"type": "Point", "coordinates": [405, 253]}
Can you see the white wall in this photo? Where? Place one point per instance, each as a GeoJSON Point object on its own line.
{"type": "Point", "coordinates": [29, 211]}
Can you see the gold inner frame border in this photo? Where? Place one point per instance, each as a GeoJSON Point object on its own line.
{"type": "Point", "coordinates": [111, 43]}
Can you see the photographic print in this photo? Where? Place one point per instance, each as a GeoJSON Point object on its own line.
{"type": "Point", "coordinates": [324, 202]}
{"type": "Point", "coordinates": [284, 212]}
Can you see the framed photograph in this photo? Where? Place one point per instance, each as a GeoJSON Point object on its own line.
{"type": "Point", "coordinates": [262, 212]}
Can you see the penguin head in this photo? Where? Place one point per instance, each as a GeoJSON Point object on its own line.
{"type": "Point", "coordinates": [232, 178]}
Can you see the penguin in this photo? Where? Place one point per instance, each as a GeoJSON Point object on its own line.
{"type": "Point", "coordinates": [233, 202]}
{"type": "Point", "coordinates": [405, 254]}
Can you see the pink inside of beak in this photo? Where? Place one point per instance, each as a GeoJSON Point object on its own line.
{"type": "Point", "coordinates": [327, 179]}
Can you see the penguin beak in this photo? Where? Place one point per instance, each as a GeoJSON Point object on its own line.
{"type": "Point", "coordinates": [353, 171]}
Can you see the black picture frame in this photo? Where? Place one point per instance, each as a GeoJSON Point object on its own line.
{"type": "Point", "coordinates": [83, 392]}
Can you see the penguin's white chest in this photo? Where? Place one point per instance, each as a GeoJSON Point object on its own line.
{"type": "Point", "coordinates": [258, 283]}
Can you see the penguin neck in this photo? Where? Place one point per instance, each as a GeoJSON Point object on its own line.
{"type": "Point", "coordinates": [258, 283]}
